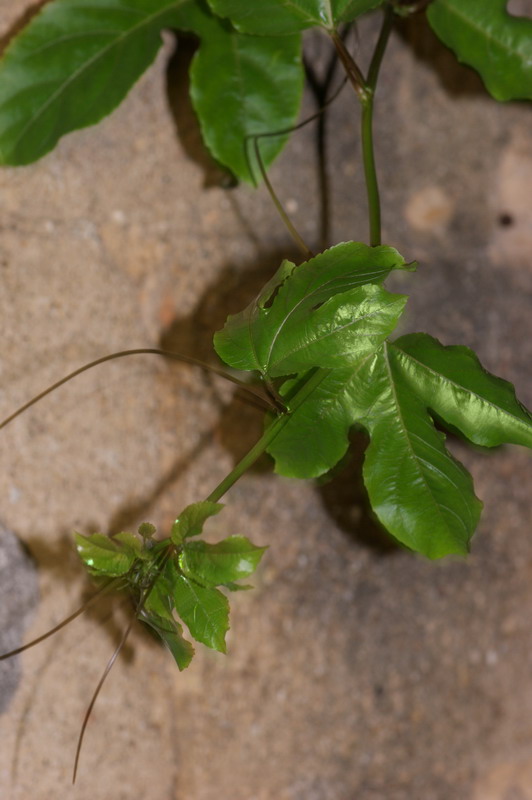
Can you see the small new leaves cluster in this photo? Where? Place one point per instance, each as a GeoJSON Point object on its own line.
{"type": "Point", "coordinates": [176, 577]}
{"type": "Point", "coordinates": [328, 321]}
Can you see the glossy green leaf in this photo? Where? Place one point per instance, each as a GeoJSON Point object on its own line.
{"type": "Point", "coordinates": [171, 633]}
{"type": "Point", "coordinates": [485, 36]}
{"type": "Point", "coordinates": [275, 17]}
{"type": "Point", "coordinates": [453, 383]}
{"type": "Point", "coordinates": [315, 436]}
{"type": "Point", "coordinates": [222, 563]}
{"type": "Point", "coordinates": [240, 86]}
{"type": "Point", "coordinates": [419, 492]}
{"type": "Point", "coordinates": [103, 555]}
{"type": "Point", "coordinates": [325, 312]}
{"type": "Point", "coordinates": [192, 519]}
{"type": "Point", "coordinates": [72, 65]}
{"type": "Point", "coordinates": [204, 610]}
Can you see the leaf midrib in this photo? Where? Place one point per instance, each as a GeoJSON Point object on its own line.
{"type": "Point", "coordinates": [308, 296]}
{"type": "Point", "coordinates": [406, 436]}
{"type": "Point", "coordinates": [356, 321]}
{"type": "Point", "coordinates": [86, 65]}
{"type": "Point", "coordinates": [462, 389]}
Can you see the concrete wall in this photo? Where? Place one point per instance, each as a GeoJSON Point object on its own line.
{"type": "Point", "coordinates": [355, 670]}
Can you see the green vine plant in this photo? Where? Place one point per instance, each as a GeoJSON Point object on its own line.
{"type": "Point", "coordinates": [317, 340]}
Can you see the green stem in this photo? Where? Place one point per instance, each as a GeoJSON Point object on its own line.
{"type": "Point", "coordinates": [370, 175]}
{"type": "Point", "coordinates": [268, 436]}
{"type": "Point", "coordinates": [365, 91]}
{"type": "Point", "coordinates": [368, 153]}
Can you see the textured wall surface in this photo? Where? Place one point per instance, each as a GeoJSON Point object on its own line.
{"type": "Point", "coordinates": [355, 670]}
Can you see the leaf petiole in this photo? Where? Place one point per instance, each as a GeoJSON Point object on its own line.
{"type": "Point", "coordinates": [273, 430]}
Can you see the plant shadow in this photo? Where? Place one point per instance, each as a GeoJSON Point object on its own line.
{"type": "Point", "coordinates": [457, 79]}
{"type": "Point", "coordinates": [184, 117]}
{"type": "Point", "coordinates": [345, 499]}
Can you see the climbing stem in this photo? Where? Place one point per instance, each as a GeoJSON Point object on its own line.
{"type": "Point", "coordinates": [368, 153]}
{"type": "Point", "coordinates": [365, 91]}
{"type": "Point", "coordinates": [370, 174]}
{"type": "Point", "coordinates": [273, 429]}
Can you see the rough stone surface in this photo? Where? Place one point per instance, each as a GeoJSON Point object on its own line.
{"type": "Point", "coordinates": [18, 588]}
{"type": "Point", "coordinates": [355, 670]}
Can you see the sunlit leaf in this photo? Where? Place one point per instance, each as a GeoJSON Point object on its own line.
{"type": "Point", "coordinates": [321, 313]}
{"type": "Point", "coordinates": [204, 610]}
{"type": "Point", "coordinates": [222, 563]}
{"type": "Point", "coordinates": [484, 35]}
{"type": "Point", "coordinates": [452, 382]}
{"type": "Point", "coordinates": [103, 555]}
{"type": "Point", "coordinates": [421, 494]}
{"type": "Point", "coordinates": [192, 519]}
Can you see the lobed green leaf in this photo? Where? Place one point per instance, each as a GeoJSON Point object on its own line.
{"type": "Point", "coordinates": [72, 65]}
{"type": "Point", "coordinates": [159, 600]}
{"type": "Point", "coordinates": [452, 382]}
{"type": "Point", "coordinates": [316, 435]}
{"type": "Point", "coordinates": [321, 313]}
{"type": "Point", "coordinates": [192, 519]}
{"type": "Point", "coordinates": [171, 633]}
{"type": "Point", "coordinates": [241, 86]}
{"type": "Point", "coordinates": [279, 17]}
{"type": "Point", "coordinates": [105, 556]}
{"type": "Point", "coordinates": [222, 563]}
{"type": "Point", "coordinates": [488, 38]}
{"type": "Point", "coordinates": [420, 493]}
{"type": "Point", "coordinates": [204, 610]}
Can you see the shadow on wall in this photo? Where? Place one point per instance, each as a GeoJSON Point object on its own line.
{"type": "Point", "coordinates": [185, 120]}
{"type": "Point", "coordinates": [457, 79]}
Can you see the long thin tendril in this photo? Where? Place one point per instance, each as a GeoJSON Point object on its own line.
{"type": "Point", "coordinates": [138, 609]}
{"type": "Point", "coordinates": [105, 673]}
{"type": "Point", "coordinates": [254, 139]}
{"type": "Point", "coordinates": [87, 604]}
{"type": "Point", "coordinates": [257, 394]}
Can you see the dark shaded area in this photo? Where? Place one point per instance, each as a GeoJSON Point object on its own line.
{"type": "Point", "coordinates": [20, 23]}
{"type": "Point", "coordinates": [185, 119]}
{"type": "Point", "coordinates": [320, 72]}
{"type": "Point", "coordinates": [457, 79]}
{"type": "Point", "coordinates": [240, 423]}
{"type": "Point", "coordinates": [345, 498]}
{"type": "Point", "coordinates": [505, 220]}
